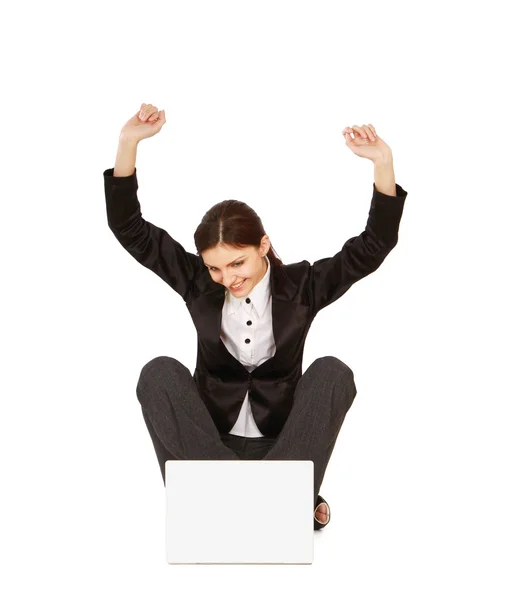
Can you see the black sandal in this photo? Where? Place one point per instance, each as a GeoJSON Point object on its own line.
{"type": "Point", "coordinates": [318, 524]}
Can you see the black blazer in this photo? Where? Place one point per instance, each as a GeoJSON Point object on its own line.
{"type": "Point", "coordinates": [299, 291]}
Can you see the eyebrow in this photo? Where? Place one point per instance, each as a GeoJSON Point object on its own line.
{"type": "Point", "coordinates": [233, 261]}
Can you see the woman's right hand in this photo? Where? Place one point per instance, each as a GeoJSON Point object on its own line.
{"type": "Point", "coordinates": [144, 124]}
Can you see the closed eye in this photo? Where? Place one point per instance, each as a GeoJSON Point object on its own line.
{"type": "Point", "coordinates": [234, 264]}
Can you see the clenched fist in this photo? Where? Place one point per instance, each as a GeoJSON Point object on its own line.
{"type": "Point", "coordinates": [365, 142]}
{"type": "Point", "coordinates": [144, 124]}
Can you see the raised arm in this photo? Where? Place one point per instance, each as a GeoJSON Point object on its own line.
{"type": "Point", "coordinates": [361, 255]}
{"type": "Point", "coordinates": [150, 245]}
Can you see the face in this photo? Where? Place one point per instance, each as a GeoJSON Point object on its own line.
{"type": "Point", "coordinates": [229, 266]}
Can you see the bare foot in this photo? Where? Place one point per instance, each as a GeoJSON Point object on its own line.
{"type": "Point", "coordinates": [321, 513]}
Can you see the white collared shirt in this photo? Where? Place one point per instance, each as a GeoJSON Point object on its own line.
{"type": "Point", "coordinates": [261, 345]}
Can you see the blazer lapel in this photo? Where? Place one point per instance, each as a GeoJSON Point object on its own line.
{"type": "Point", "coordinates": [286, 315]}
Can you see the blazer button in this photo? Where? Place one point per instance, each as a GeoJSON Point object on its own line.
{"type": "Point", "coordinates": [247, 340]}
{"type": "Point", "coordinates": [249, 323]}
{"type": "Point", "coordinates": [248, 300]}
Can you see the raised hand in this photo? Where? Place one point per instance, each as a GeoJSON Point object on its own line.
{"type": "Point", "coordinates": [144, 124]}
{"type": "Point", "coordinates": [365, 142]}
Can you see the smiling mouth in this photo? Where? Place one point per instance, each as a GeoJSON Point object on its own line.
{"type": "Point", "coordinates": [238, 287]}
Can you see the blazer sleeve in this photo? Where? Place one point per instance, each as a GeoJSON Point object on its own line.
{"type": "Point", "coordinates": [360, 255]}
{"type": "Point", "coordinates": [150, 245]}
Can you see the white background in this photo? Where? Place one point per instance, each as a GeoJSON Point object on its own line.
{"type": "Point", "coordinates": [256, 95]}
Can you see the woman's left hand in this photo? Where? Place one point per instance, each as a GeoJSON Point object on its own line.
{"type": "Point", "coordinates": [366, 143]}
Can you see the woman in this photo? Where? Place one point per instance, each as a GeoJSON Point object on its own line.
{"type": "Point", "coordinates": [248, 398]}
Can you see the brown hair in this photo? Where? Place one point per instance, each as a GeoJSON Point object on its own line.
{"type": "Point", "coordinates": [232, 223]}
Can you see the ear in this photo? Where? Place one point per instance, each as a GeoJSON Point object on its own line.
{"type": "Point", "coordinates": [265, 244]}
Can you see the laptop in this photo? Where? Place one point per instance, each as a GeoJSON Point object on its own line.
{"type": "Point", "coordinates": [239, 511]}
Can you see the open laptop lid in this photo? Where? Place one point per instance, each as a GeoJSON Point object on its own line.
{"type": "Point", "coordinates": [231, 511]}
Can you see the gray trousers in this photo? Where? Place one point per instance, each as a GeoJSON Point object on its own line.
{"type": "Point", "coordinates": [181, 427]}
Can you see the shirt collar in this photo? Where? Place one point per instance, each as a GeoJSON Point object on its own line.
{"type": "Point", "coordinates": [259, 295]}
